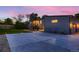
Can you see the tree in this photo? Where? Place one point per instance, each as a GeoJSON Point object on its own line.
{"type": "Point", "coordinates": [20, 17]}
{"type": "Point", "coordinates": [33, 16]}
{"type": "Point", "coordinates": [19, 25]}
{"type": "Point", "coordinates": [8, 21]}
{"type": "Point", "coordinates": [44, 16]}
{"type": "Point", "coordinates": [26, 24]}
{"type": "Point", "coordinates": [77, 16]}
{"type": "Point", "coordinates": [15, 18]}
{"type": "Point", "coordinates": [1, 22]}
{"type": "Point", "coordinates": [27, 16]}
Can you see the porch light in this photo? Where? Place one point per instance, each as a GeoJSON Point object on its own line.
{"type": "Point", "coordinates": [54, 21]}
{"type": "Point", "coordinates": [71, 25]}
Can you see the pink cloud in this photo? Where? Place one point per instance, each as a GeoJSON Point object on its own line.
{"type": "Point", "coordinates": [13, 13]}
{"type": "Point", "coordinates": [55, 9]}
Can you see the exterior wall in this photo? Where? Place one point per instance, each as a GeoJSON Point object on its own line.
{"type": "Point", "coordinates": [63, 25]}
{"type": "Point", "coordinates": [6, 26]}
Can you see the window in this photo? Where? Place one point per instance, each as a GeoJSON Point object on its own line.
{"type": "Point", "coordinates": [54, 21]}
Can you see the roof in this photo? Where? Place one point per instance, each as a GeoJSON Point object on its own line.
{"type": "Point", "coordinates": [57, 16]}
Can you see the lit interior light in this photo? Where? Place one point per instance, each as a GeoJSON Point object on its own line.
{"type": "Point", "coordinates": [74, 26]}
{"type": "Point", "coordinates": [54, 21]}
{"type": "Point", "coordinates": [77, 25]}
{"type": "Point", "coordinates": [71, 25]}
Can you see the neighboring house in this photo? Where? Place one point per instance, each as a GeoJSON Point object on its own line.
{"type": "Point", "coordinates": [60, 24]}
{"type": "Point", "coordinates": [6, 26]}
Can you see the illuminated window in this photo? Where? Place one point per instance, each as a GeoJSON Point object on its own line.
{"type": "Point", "coordinates": [78, 26]}
{"type": "Point", "coordinates": [54, 21]}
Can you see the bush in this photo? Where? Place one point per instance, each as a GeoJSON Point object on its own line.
{"type": "Point", "coordinates": [19, 25]}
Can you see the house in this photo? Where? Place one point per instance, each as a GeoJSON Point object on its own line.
{"type": "Point", "coordinates": [65, 24]}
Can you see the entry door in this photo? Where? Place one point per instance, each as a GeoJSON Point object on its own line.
{"type": "Point", "coordinates": [74, 28]}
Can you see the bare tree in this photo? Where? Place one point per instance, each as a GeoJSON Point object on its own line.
{"type": "Point", "coordinates": [28, 17]}
{"type": "Point", "coordinates": [20, 17]}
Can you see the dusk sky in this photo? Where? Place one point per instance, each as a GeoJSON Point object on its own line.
{"type": "Point", "coordinates": [10, 11]}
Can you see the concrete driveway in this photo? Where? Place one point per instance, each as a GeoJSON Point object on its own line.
{"type": "Point", "coordinates": [42, 42]}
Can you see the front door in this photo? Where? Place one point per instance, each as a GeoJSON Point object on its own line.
{"type": "Point", "coordinates": [74, 28]}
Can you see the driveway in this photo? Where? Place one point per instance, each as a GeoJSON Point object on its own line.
{"type": "Point", "coordinates": [43, 42]}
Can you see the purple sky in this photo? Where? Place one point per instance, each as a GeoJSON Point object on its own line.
{"type": "Point", "coordinates": [10, 11]}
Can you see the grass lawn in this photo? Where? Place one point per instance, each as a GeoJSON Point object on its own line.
{"type": "Point", "coordinates": [10, 31]}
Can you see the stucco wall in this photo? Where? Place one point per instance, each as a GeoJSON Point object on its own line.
{"type": "Point", "coordinates": [61, 27]}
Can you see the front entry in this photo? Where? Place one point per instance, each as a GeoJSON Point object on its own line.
{"type": "Point", "coordinates": [37, 25]}
{"type": "Point", "coordinates": [74, 28]}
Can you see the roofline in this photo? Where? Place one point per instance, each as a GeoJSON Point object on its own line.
{"type": "Point", "coordinates": [57, 15]}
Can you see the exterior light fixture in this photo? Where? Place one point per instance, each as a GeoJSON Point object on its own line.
{"type": "Point", "coordinates": [54, 21]}
{"type": "Point", "coordinates": [71, 25]}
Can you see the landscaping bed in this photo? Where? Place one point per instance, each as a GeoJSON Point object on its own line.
{"type": "Point", "coordinates": [11, 31]}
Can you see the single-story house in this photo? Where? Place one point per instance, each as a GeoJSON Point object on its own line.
{"type": "Point", "coordinates": [65, 24]}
